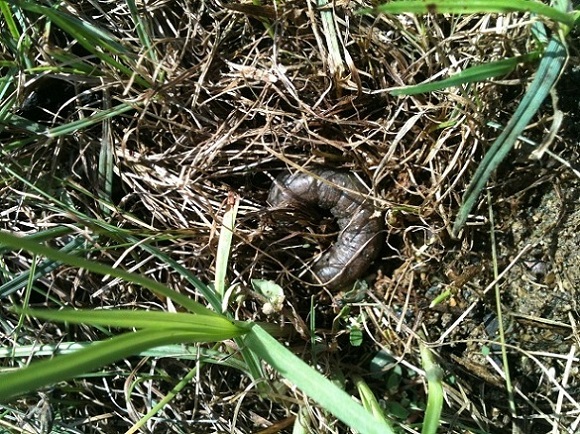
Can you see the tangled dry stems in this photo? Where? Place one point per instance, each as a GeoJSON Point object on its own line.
{"type": "Point", "coordinates": [239, 95]}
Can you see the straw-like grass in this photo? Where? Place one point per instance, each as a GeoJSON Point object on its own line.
{"type": "Point", "coordinates": [126, 128]}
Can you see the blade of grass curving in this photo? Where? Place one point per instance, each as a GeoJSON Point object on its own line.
{"type": "Point", "coordinates": [369, 401]}
{"type": "Point", "coordinates": [312, 383]}
{"type": "Point", "coordinates": [6, 83]}
{"type": "Point", "coordinates": [28, 290]}
{"type": "Point", "coordinates": [42, 269]}
{"type": "Point", "coordinates": [46, 372]}
{"type": "Point", "coordinates": [253, 363]}
{"type": "Point", "coordinates": [473, 7]}
{"type": "Point", "coordinates": [207, 293]}
{"type": "Point", "coordinates": [97, 117]}
{"type": "Point", "coordinates": [76, 27]}
{"type": "Point", "coordinates": [67, 63]}
{"type": "Point", "coordinates": [95, 224]}
{"type": "Point", "coordinates": [548, 72]}
{"type": "Point", "coordinates": [161, 403]}
{"type": "Point", "coordinates": [469, 75]}
{"type": "Point", "coordinates": [47, 234]}
{"type": "Point", "coordinates": [96, 267]}
{"type": "Point", "coordinates": [434, 376]}
{"type": "Point", "coordinates": [208, 327]}
{"type": "Point", "coordinates": [6, 103]}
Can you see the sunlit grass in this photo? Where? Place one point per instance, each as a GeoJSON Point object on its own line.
{"type": "Point", "coordinates": [81, 222]}
{"type": "Point", "coordinates": [554, 58]}
{"type": "Point", "coordinates": [161, 328]}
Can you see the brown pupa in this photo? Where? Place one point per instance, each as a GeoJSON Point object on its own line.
{"type": "Point", "coordinates": [360, 238]}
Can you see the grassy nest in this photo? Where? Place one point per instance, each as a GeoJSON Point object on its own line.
{"type": "Point", "coordinates": [224, 97]}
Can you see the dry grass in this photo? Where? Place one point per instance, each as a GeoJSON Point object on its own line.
{"type": "Point", "coordinates": [237, 95]}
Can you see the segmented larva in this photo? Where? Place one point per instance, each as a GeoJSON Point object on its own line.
{"type": "Point", "coordinates": [360, 238]}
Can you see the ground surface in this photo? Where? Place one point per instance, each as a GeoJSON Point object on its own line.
{"type": "Point", "coordinates": [243, 93]}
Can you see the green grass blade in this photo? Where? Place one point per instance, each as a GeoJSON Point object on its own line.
{"type": "Point", "coordinates": [548, 72]}
{"type": "Point", "coordinates": [222, 258]}
{"type": "Point", "coordinates": [165, 400]}
{"type": "Point", "coordinates": [42, 269]}
{"type": "Point", "coordinates": [46, 372]}
{"type": "Point", "coordinates": [206, 291]}
{"type": "Point", "coordinates": [435, 393]}
{"type": "Point", "coordinates": [142, 30]}
{"type": "Point", "coordinates": [175, 351]}
{"type": "Point", "coordinates": [96, 267]}
{"type": "Point", "coordinates": [312, 383]}
{"type": "Point", "coordinates": [86, 32]}
{"type": "Point", "coordinates": [473, 7]}
{"type": "Point", "coordinates": [47, 234]}
{"type": "Point", "coordinates": [333, 46]}
{"type": "Point", "coordinates": [6, 84]}
{"type": "Point", "coordinates": [95, 40]}
{"type": "Point", "coordinates": [369, 401]}
{"type": "Point", "coordinates": [97, 117]}
{"type": "Point", "coordinates": [18, 44]}
{"type": "Point", "coordinates": [470, 75]}
{"type": "Point", "coordinates": [9, 20]}
{"type": "Point", "coordinates": [67, 63]}
{"type": "Point", "coordinates": [24, 124]}
{"type": "Point", "coordinates": [206, 327]}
